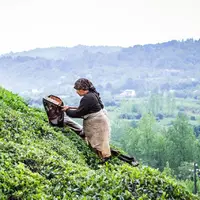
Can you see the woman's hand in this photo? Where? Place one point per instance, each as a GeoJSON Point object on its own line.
{"type": "Point", "coordinates": [65, 108]}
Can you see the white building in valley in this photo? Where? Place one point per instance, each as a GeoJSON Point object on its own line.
{"type": "Point", "coordinates": [128, 93]}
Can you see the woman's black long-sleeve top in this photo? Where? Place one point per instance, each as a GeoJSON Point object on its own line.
{"type": "Point", "coordinates": [90, 103]}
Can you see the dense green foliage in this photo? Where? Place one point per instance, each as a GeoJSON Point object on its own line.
{"type": "Point", "coordinates": [169, 133]}
{"type": "Point", "coordinates": [41, 162]}
{"type": "Point", "coordinates": [157, 146]}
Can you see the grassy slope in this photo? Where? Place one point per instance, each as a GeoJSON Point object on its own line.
{"type": "Point", "coordinates": [41, 162]}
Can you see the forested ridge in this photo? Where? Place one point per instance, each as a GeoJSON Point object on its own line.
{"type": "Point", "coordinates": [41, 162]}
{"type": "Point", "coordinates": [172, 65]}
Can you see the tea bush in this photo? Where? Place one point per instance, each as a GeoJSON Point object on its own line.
{"type": "Point", "coordinates": [41, 162]}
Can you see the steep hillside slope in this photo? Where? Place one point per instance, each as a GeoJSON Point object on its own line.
{"type": "Point", "coordinates": [41, 162]}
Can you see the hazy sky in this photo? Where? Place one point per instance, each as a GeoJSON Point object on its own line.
{"type": "Point", "coordinates": [28, 24]}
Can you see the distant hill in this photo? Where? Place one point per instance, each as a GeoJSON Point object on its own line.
{"type": "Point", "coordinates": [41, 162]}
{"type": "Point", "coordinates": [173, 65]}
{"type": "Point", "coordinates": [63, 53]}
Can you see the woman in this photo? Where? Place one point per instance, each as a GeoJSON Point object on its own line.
{"type": "Point", "coordinates": [95, 122]}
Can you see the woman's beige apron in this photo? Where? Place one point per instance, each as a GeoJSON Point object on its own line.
{"type": "Point", "coordinates": [96, 128]}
